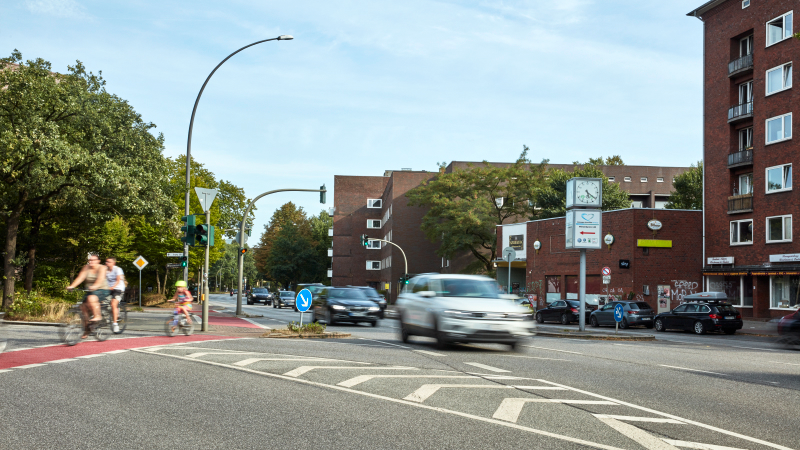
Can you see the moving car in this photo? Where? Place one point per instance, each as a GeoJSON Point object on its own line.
{"type": "Point", "coordinates": [703, 312]}
{"type": "Point", "coordinates": [633, 313]}
{"type": "Point", "coordinates": [345, 304]}
{"type": "Point", "coordinates": [461, 308]}
{"type": "Point", "coordinates": [563, 311]}
{"type": "Point", "coordinates": [375, 296]}
{"type": "Point", "coordinates": [789, 331]}
{"type": "Point", "coordinates": [259, 295]}
{"type": "Point", "coordinates": [284, 298]}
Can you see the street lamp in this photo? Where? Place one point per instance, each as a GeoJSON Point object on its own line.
{"type": "Point", "coordinates": [284, 37]}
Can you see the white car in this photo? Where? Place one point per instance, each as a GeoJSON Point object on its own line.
{"type": "Point", "coordinates": [461, 308]}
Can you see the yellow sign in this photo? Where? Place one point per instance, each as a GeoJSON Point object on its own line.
{"type": "Point", "coordinates": [664, 243]}
{"type": "Point", "coordinates": [140, 262]}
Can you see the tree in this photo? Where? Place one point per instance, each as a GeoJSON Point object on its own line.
{"type": "Point", "coordinates": [65, 140]}
{"type": "Point", "coordinates": [322, 242]}
{"type": "Point", "coordinates": [288, 215]}
{"type": "Point", "coordinates": [551, 202]}
{"type": "Point", "coordinates": [615, 160]}
{"type": "Point", "coordinates": [688, 193]}
{"type": "Point", "coordinates": [292, 258]}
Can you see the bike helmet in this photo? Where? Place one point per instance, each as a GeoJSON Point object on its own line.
{"type": "Point", "coordinates": [180, 283]}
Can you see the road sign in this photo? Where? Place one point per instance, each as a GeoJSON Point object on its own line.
{"type": "Point", "coordinates": [606, 270]}
{"type": "Point", "coordinates": [606, 279]}
{"type": "Point", "coordinates": [303, 300]}
{"type": "Point", "coordinates": [618, 312]}
{"type": "Point", "coordinates": [174, 255]}
{"type": "Point", "coordinates": [174, 266]}
{"type": "Point", "coordinates": [206, 197]}
{"type": "Point", "coordinates": [140, 263]}
{"type": "Point", "coordinates": [509, 251]}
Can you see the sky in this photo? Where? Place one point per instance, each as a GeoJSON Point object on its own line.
{"type": "Point", "coordinates": [371, 85]}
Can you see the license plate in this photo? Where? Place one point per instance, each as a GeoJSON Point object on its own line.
{"type": "Point", "coordinates": [646, 318]}
{"type": "Point", "coordinates": [356, 314]}
{"type": "Point", "coordinates": [729, 317]}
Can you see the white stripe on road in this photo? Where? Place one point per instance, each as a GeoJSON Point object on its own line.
{"type": "Point", "coordinates": [698, 445]}
{"type": "Point", "coordinates": [552, 349]}
{"type": "Point", "coordinates": [255, 323]}
{"type": "Point", "coordinates": [484, 366]}
{"type": "Point", "coordinates": [639, 419]}
{"type": "Point", "coordinates": [114, 352]}
{"type": "Point", "coordinates": [90, 356]}
{"type": "Point", "coordinates": [362, 378]}
{"type": "Point", "coordinates": [61, 360]}
{"type": "Point", "coordinates": [247, 362]}
{"type": "Point", "coordinates": [382, 342]}
{"type": "Point", "coordinates": [536, 357]}
{"type": "Point", "coordinates": [303, 369]}
{"type": "Point", "coordinates": [791, 364]}
{"type": "Point", "coordinates": [510, 409]}
{"type": "Point", "coordinates": [29, 366]}
{"type": "Point", "coordinates": [692, 370]}
{"type": "Point", "coordinates": [644, 438]}
{"type": "Point", "coordinates": [425, 352]}
{"type": "Point", "coordinates": [422, 394]}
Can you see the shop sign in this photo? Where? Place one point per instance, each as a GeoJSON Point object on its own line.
{"type": "Point", "coordinates": [789, 257]}
{"type": "Point", "coordinates": [624, 264]}
{"type": "Point", "coordinates": [721, 260]}
{"type": "Point", "coordinates": [537, 245]}
{"type": "Point", "coordinates": [730, 274]}
{"type": "Point", "coordinates": [654, 225]}
{"type": "Point", "coordinates": [516, 242]}
{"type": "Point", "coordinates": [773, 274]}
{"type": "Point", "coordinates": [662, 243]}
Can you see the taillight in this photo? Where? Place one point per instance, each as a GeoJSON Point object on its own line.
{"type": "Point", "coordinates": [714, 316]}
{"type": "Point", "coordinates": [574, 310]}
{"type": "Point", "coordinates": [633, 312]}
{"type": "Point", "coordinates": [738, 316]}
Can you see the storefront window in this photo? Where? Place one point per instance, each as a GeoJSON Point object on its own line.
{"type": "Point", "coordinates": [784, 291]}
{"type": "Point", "coordinates": [553, 288]}
{"type": "Point", "coordinates": [572, 287]}
{"type": "Point", "coordinates": [594, 288]}
{"type": "Point", "coordinates": [747, 291]}
{"type": "Point", "coordinates": [730, 285]}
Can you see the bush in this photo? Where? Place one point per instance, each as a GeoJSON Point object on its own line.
{"type": "Point", "coordinates": [312, 328]}
{"type": "Point", "coordinates": [37, 307]}
{"type": "Point", "coordinates": [151, 299]}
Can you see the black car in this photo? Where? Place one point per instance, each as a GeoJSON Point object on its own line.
{"type": "Point", "coordinates": [375, 296]}
{"type": "Point", "coordinates": [700, 317]}
{"type": "Point", "coordinates": [259, 295]}
{"type": "Point", "coordinates": [563, 311]}
{"type": "Point", "coordinates": [633, 313]}
{"type": "Point", "coordinates": [337, 304]}
{"type": "Point", "coordinates": [789, 331]}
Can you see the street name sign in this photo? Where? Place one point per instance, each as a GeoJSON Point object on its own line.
{"type": "Point", "coordinates": [173, 266]}
{"type": "Point", "coordinates": [140, 263]}
{"type": "Point", "coordinates": [174, 255]}
{"type": "Point", "coordinates": [618, 312]}
{"type": "Point", "coordinates": [303, 300]}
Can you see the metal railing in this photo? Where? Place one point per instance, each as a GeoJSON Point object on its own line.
{"type": "Point", "coordinates": [740, 203]}
{"type": "Point", "coordinates": [741, 157]}
{"type": "Point", "coordinates": [741, 64]}
{"type": "Point", "coordinates": [740, 111]}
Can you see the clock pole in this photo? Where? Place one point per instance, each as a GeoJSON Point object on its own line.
{"type": "Point", "coordinates": [583, 230]}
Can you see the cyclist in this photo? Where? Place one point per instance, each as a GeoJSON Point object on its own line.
{"type": "Point", "coordinates": [183, 300]}
{"type": "Point", "coordinates": [116, 283]}
{"type": "Point", "coordinates": [97, 287]}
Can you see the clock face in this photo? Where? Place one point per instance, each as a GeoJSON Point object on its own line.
{"type": "Point", "coordinates": [588, 192]}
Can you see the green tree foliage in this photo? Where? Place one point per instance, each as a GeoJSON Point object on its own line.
{"type": "Point", "coordinates": [322, 242]}
{"type": "Point", "coordinates": [66, 141]}
{"type": "Point", "coordinates": [551, 201]}
{"type": "Point", "coordinates": [688, 193]}
{"type": "Point", "coordinates": [615, 160]}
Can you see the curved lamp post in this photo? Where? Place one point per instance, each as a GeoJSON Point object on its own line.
{"type": "Point", "coordinates": [284, 37]}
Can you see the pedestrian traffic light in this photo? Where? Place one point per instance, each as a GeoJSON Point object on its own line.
{"type": "Point", "coordinates": [405, 278]}
{"type": "Point", "coordinates": [184, 261]}
{"type": "Point", "coordinates": [322, 194]}
{"type": "Point", "coordinates": [364, 240]}
{"type": "Point", "coordinates": [188, 230]}
{"type": "Point", "coordinates": [204, 234]}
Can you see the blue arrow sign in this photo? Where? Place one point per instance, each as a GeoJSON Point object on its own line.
{"type": "Point", "coordinates": [303, 300]}
{"type": "Point", "coordinates": [618, 312]}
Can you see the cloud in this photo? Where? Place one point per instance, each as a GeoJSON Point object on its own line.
{"type": "Point", "coordinates": [60, 8]}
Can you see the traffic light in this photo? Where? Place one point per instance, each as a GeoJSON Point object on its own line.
{"type": "Point", "coordinates": [204, 234]}
{"type": "Point", "coordinates": [242, 251]}
{"type": "Point", "coordinates": [405, 278]}
{"type": "Point", "coordinates": [184, 261]}
{"type": "Point", "coordinates": [188, 230]}
{"type": "Point", "coordinates": [322, 194]}
{"type": "Point", "coordinates": [364, 240]}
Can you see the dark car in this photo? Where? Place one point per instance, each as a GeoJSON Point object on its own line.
{"type": "Point", "coordinates": [259, 295]}
{"type": "Point", "coordinates": [564, 311]}
{"type": "Point", "coordinates": [633, 313]}
{"type": "Point", "coordinates": [345, 305]}
{"type": "Point", "coordinates": [789, 331]}
{"type": "Point", "coordinates": [283, 298]}
{"type": "Point", "coordinates": [700, 317]}
{"type": "Point", "coordinates": [375, 296]}
{"type": "Point", "coordinates": [314, 288]}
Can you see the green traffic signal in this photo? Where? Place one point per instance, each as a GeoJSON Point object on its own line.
{"type": "Point", "coordinates": [184, 261]}
{"type": "Point", "coordinates": [188, 230]}
{"type": "Point", "coordinates": [204, 235]}
{"type": "Point", "coordinates": [364, 240]}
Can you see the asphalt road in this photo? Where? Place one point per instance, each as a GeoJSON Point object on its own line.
{"type": "Point", "coordinates": [372, 391]}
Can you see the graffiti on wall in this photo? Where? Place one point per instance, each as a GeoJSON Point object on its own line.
{"type": "Point", "coordinates": [682, 288]}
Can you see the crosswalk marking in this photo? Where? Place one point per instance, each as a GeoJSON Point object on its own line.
{"type": "Point", "coordinates": [303, 369]}
{"type": "Point", "coordinates": [511, 408]}
{"type": "Point", "coordinates": [485, 367]}
{"type": "Point", "coordinates": [422, 394]}
{"type": "Point", "coordinates": [644, 438]}
{"type": "Point", "coordinates": [247, 362]}
{"type": "Point", "coordinates": [639, 419]}
{"type": "Point", "coordinates": [362, 378]}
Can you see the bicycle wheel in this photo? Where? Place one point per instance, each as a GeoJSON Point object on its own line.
{"type": "Point", "coordinates": [170, 327]}
{"type": "Point", "coordinates": [122, 318]}
{"type": "Point", "coordinates": [188, 328]}
{"type": "Point", "coordinates": [72, 328]}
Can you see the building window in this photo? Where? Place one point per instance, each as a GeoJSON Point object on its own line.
{"type": "Point", "coordinates": [783, 291]}
{"type": "Point", "coordinates": [611, 179]}
{"type": "Point", "coordinates": [742, 232]}
{"type": "Point", "coordinates": [445, 262]}
{"type": "Point", "coordinates": [746, 93]}
{"type": "Point", "coordinates": [373, 223]}
{"type": "Point", "coordinates": [374, 203]}
{"type": "Point", "coordinates": [779, 178]}
{"type": "Point", "coordinates": [745, 185]}
{"type": "Point", "coordinates": [373, 265]}
{"type": "Point", "coordinates": [779, 78]}
{"type": "Point", "coordinates": [373, 244]}
{"type": "Point", "coordinates": [779, 229]}
{"type": "Point", "coordinates": [746, 46]}
{"type": "Point", "coordinates": [553, 284]}
{"type": "Point", "coordinates": [659, 180]}
{"type": "Point", "coordinates": [643, 179]}
{"type": "Point", "coordinates": [627, 179]}
{"type": "Point", "coordinates": [745, 3]}
{"type": "Point", "coordinates": [779, 29]}
{"type": "Point", "coordinates": [745, 138]}
{"type": "Point", "coordinates": [779, 128]}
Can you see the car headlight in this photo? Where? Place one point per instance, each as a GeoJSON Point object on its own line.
{"type": "Point", "coordinates": [374, 308]}
{"type": "Point", "coordinates": [454, 314]}
{"type": "Point", "coordinates": [338, 307]}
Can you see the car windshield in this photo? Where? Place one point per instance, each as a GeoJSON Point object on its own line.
{"type": "Point", "coordinates": [465, 287]}
{"type": "Point", "coordinates": [259, 291]}
{"type": "Point", "coordinates": [315, 289]}
{"type": "Point", "coordinates": [640, 305]}
{"type": "Point", "coordinates": [371, 292]}
{"type": "Point", "coordinates": [574, 303]}
{"type": "Point", "coordinates": [355, 294]}
{"type": "Point", "coordinates": [287, 294]}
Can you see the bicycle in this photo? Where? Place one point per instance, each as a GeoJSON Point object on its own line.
{"type": "Point", "coordinates": [179, 322]}
{"type": "Point", "coordinates": [74, 324]}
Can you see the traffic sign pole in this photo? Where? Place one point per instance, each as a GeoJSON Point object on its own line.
{"type": "Point", "coordinates": [582, 274]}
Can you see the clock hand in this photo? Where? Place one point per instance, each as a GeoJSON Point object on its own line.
{"type": "Point", "coordinates": [590, 195]}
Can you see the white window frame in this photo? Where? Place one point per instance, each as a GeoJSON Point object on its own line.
{"type": "Point", "coordinates": [371, 203]}
{"type": "Point", "coordinates": [372, 244]}
{"type": "Point", "coordinates": [627, 179]}
{"type": "Point", "coordinates": [782, 68]}
{"type": "Point", "coordinates": [745, 92]}
{"type": "Point", "coordinates": [643, 179]}
{"type": "Point", "coordinates": [771, 280]}
{"type": "Point", "coordinates": [610, 179]}
{"type": "Point", "coordinates": [745, 138]}
{"type": "Point", "coordinates": [749, 179]}
{"type": "Point", "coordinates": [749, 41]}
{"type": "Point", "coordinates": [371, 224]}
{"type": "Point", "coordinates": [783, 224]}
{"type": "Point", "coordinates": [659, 180]}
{"type": "Point", "coordinates": [730, 237]}
{"type": "Point", "coordinates": [371, 265]}
{"type": "Point", "coordinates": [782, 118]}
{"type": "Point", "coordinates": [745, 3]}
{"type": "Point", "coordinates": [782, 16]}
{"type": "Point", "coordinates": [766, 179]}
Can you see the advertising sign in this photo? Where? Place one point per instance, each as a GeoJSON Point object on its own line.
{"type": "Point", "coordinates": [584, 228]}
{"type": "Point", "coordinates": [721, 260]}
{"type": "Point", "coordinates": [516, 242]}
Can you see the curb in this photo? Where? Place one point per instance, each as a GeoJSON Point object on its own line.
{"type": "Point", "coordinates": [36, 324]}
{"type": "Point", "coordinates": [326, 335]}
{"type": "Point", "coordinates": [598, 337]}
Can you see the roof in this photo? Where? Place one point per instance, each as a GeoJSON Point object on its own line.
{"type": "Point", "coordinates": [705, 8]}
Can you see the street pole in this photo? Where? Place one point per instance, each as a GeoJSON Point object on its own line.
{"type": "Point", "coordinates": [240, 258]}
{"type": "Point", "coordinates": [205, 275]}
{"type": "Point", "coordinates": [582, 291]}
{"type": "Point", "coordinates": [140, 288]}
{"type": "Point", "coordinates": [189, 140]}
{"type": "Point", "coordinates": [509, 273]}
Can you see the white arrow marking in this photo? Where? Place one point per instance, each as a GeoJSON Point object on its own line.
{"type": "Point", "coordinates": [510, 408]}
{"type": "Point", "coordinates": [698, 445]}
{"type": "Point", "coordinates": [484, 366]}
{"type": "Point", "coordinates": [303, 369]}
{"type": "Point", "coordinates": [362, 378]}
{"type": "Point", "coordinates": [644, 438]}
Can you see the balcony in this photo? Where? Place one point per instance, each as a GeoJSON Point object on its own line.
{"type": "Point", "coordinates": [741, 158]}
{"type": "Point", "coordinates": [740, 112]}
{"type": "Point", "coordinates": [741, 65]}
{"type": "Point", "coordinates": [738, 204]}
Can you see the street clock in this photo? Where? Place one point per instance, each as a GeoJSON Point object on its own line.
{"type": "Point", "coordinates": [584, 193]}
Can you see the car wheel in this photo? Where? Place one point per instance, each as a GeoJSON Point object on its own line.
{"type": "Point", "coordinates": [730, 330]}
{"type": "Point", "coordinates": [649, 325]}
{"type": "Point", "coordinates": [374, 323]}
{"type": "Point", "coordinates": [513, 346]}
{"type": "Point", "coordinates": [249, 302]}
{"type": "Point", "coordinates": [329, 318]}
{"type": "Point", "coordinates": [564, 319]}
{"type": "Point", "coordinates": [274, 305]}
{"type": "Point", "coordinates": [404, 334]}
{"type": "Point", "coordinates": [539, 318]}
{"type": "Point", "coordinates": [624, 323]}
{"type": "Point", "coordinates": [659, 324]}
{"type": "Point", "coordinates": [699, 328]}
{"type": "Point", "coordinates": [594, 322]}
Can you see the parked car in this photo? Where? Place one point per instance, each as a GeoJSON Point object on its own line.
{"type": "Point", "coordinates": [633, 313]}
{"type": "Point", "coordinates": [284, 298]}
{"type": "Point", "coordinates": [259, 295]}
{"type": "Point", "coordinates": [375, 296]}
{"type": "Point", "coordinates": [461, 308]}
{"type": "Point", "coordinates": [563, 311]}
{"type": "Point", "coordinates": [703, 312]}
{"type": "Point", "coordinates": [314, 288]}
{"type": "Point", "coordinates": [789, 331]}
{"type": "Point", "coordinates": [337, 304]}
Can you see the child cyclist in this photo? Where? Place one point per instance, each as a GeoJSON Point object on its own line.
{"type": "Point", "coordinates": [183, 300]}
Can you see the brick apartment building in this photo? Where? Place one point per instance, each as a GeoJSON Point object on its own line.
{"type": "Point", "coordinates": [660, 267]}
{"type": "Point", "coordinates": [377, 206]}
{"type": "Point", "coordinates": [748, 101]}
